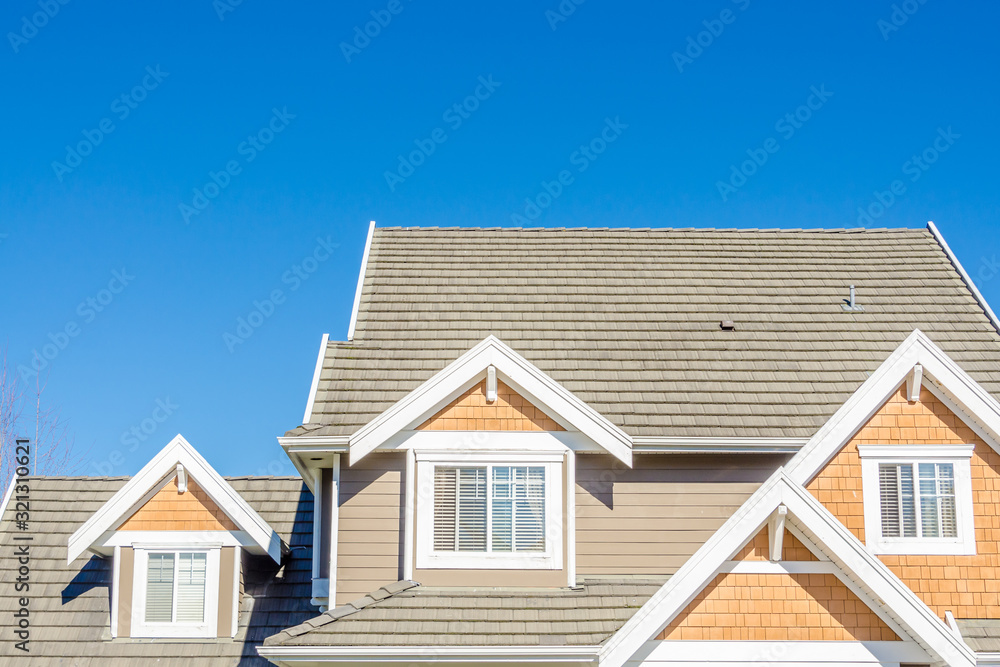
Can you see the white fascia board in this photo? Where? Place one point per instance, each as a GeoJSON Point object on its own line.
{"type": "Point", "coordinates": [836, 541]}
{"type": "Point", "coordinates": [429, 654]}
{"type": "Point", "coordinates": [964, 274]}
{"type": "Point", "coordinates": [869, 398]}
{"type": "Point", "coordinates": [705, 445]}
{"type": "Point", "coordinates": [491, 441]}
{"type": "Point", "coordinates": [516, 371]}
{"type": "Point", "coordinates": [323, 344]}
{"type": "Point", "coordinates": [877, 653]}
{"type": "Point", "coordinates": [160, 468]}
{"type": "Point", "coordinates": [361, 282]}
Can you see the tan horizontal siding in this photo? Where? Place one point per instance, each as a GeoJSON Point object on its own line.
{"type": "Point", "coordinates": [651, 518]}
{"type": "Point", "coordinates": [369, 525]}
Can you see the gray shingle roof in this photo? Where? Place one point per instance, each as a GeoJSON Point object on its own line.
{"type": "Point", "coordinates": [982, 635]}
{"type": "Point", "coordinates": [406, 614]}
{"type": "Point", "coordinates": [69, 604]}
{"type": "Point", "coordinates": [628, 320]}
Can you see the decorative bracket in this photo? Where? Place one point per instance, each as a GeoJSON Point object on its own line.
{"type": "Point", "coordinates": [182, 479]}
{"type": "Point", "coordinates": [776, 532]}
{"type": "Point", "coordinates": [913, 383]}
{"type": "Point", "coordinates": [491, 384]}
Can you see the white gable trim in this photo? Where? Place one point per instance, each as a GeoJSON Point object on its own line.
{"type": "Point", "coordinates": [311, 401]}
{"type": "Point", "coordinates": [872, 576]}
{"type": "Point", "coordinates": [130, 497]}
{"type": "Point", "coordinates": [522, 376]}
{"type": "Point", "coordinates": [361, 282]}
{"type": "Point", "coordinates": [963, 391]}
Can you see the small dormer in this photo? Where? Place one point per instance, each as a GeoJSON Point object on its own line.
{"type": "Point", "coordinates": [176, 533]}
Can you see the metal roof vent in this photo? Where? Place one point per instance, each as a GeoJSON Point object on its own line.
{"type": "Point", "coordinates": [851, 302]}
{"type": "Point", "coordinates": [727, 325]}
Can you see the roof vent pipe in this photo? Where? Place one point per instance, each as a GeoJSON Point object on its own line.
{"type": "Point", "coordinates": [851, 303]}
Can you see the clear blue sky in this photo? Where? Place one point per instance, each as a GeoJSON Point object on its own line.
{"type": "Point", "coordinates": [679, 124]}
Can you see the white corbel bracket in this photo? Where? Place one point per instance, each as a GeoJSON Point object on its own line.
{"type": "Point", "coordinates": [776, 532]}
{"type": "Point", "coordinates": [491, 384]}
{"type": "Point", "coordinates": [182, 479]}
{"type": "Point", "coordinates": [913, 382]}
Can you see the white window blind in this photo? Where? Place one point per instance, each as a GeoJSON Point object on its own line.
{"type": "Point", "coordinates": [489, 509]}
{"type": "Point", "coordinates": [175, 587]}
{"type": "Point", "coordinates": [191, 571]}
{"type": "Point", "coordinates": [918, 500]}
{"type": "Point", "coordinates": [160, 588]}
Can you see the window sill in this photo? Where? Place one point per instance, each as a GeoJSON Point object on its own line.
{"type": "Point", "coordinates": [467, 561]}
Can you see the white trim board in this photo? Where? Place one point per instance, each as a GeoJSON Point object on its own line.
{"type": "Point", "coordinates": [311, 401]}
{"type": "Point", "coordinates": [289, 655]}
{"type": "Point", "coordinates": [966, 278]}
{"type": "Point", "coordinates": [857, 563]}
{"type": "Point", "coordinates": [938, 368]}
{"type": "Point", "coordinates": [361, 282]}
{"type": "Point", "coordinates": [515, 371]}
{"type": "Point", "coordinates": [264, 540]}
{"type": "Point", "coordinates": [833, 653]}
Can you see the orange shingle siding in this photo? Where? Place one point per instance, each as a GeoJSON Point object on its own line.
{"type": "Point", "coordinates": [471, 412]}
{"type": "Point", "coordinates": [170, 510]}
{"type": "Point", "coordinates": [778, 607]}
{"type": "Point", "coordinates": [760, 549]}
{"type": "Point", "coordinates": [968, 586]}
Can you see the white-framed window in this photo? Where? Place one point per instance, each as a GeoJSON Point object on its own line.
{"type": "Point", "coordinates": [175, 591]}
{"type": "Point", "coordinates": [918, 499]}
{"type": "Point", "coordinates": [489, 511]}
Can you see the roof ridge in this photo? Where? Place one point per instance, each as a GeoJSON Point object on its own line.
{"type": "Point", "coordinates": [728, 230]}
{"type": "Point", "coordinates": [337, 613]}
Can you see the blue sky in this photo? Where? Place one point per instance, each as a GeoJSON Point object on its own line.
{"type": "Point", "coordinates": [204, 150]}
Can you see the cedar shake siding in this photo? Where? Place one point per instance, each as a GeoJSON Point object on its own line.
{"type": "Point", "coordinates": [778, 607]}
{"type": "Point", "coordinates": [648, 520]}
{"type": "Point", "coordinates": [170, 509]}
{"type": "Point", "coordinates": [968, 586]}
{"type": "Point", "coordinates": [471, 412]}
{"type": "Point", "coordinates": [368, 545]}
{"type": "Point", "coordinates": [759, 549]}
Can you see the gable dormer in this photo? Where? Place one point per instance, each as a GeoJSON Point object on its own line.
{"type": "Point", "coordinates": [176, 533]}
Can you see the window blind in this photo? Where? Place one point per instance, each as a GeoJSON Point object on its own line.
{"type": "Point", "coordinates": [160, 588]}
{"type": "Point", "coordinates": [921, 507]}
{"type": "Point", "coordinates": [191, 569]}
{"type": "Point", "coordinates": [508, 502]}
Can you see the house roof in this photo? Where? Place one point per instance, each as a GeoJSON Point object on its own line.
{"type": "Point", "coordinates": [628, 321]}
{"type": "Point", "coordinates": [161, 468]}
{"type": "Point", "coordinates": [406, 614]}
{"type": "Point", "coordinates": [69, 603]}
{"type": "Point", "coordinates": [982, 635]}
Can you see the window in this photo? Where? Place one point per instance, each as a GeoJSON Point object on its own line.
{"type": "Point", "coordinates": [489, 509]}
{"type": "Point", "coordinates": [175, 592]}
{"type": "Point", "coordinates": [499, 514]}
{"type": "Point", "coordinates": [918, 499]}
